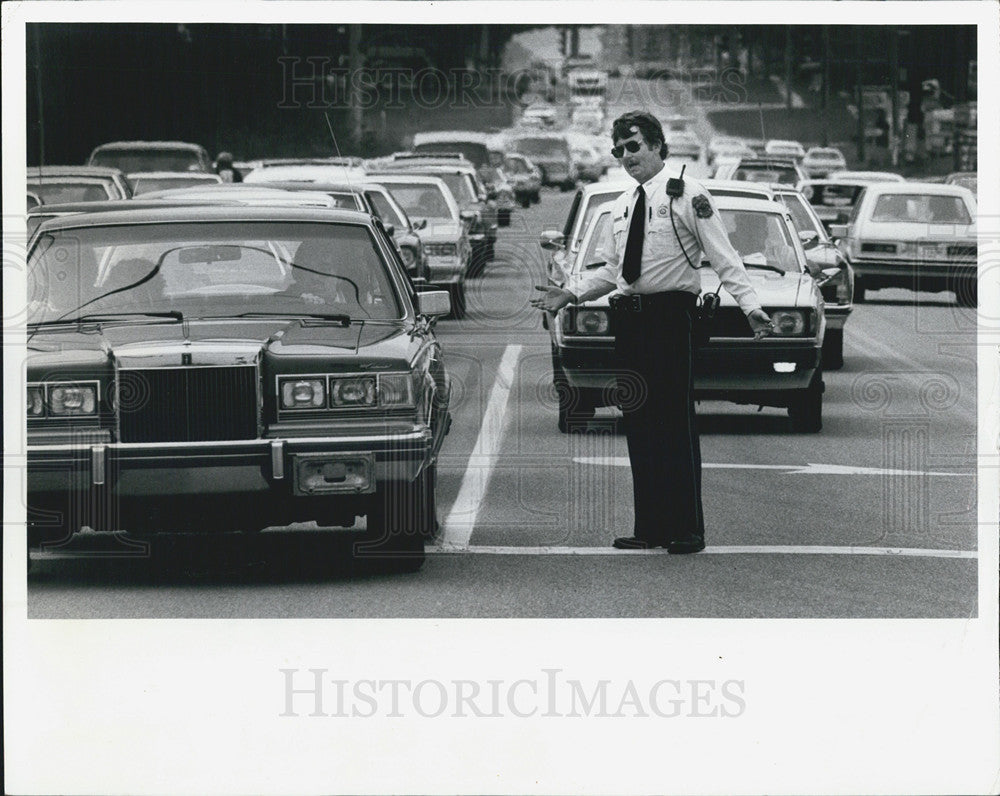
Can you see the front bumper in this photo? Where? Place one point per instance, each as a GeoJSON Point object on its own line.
{"type": "Point", "coordinates": [358, 464]}
{"type": "Point", "coordinates": [445, 270]}
{"type": "Point", "coordinates": [736, 370]}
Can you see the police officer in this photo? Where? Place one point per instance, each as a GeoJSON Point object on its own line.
{"type": "Point", "coordinates": [652, 248]}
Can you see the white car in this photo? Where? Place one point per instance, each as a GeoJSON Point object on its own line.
{"type": "Point", "coordinates": [820, 161]}
{"type": "Point", "coordinates": [916, 235]}
{"type": "Point", "coordinates": [145, 181]}
{"type": "Point", "coordinates": [785, 149]}
{"type": "Point", "coordinates": [306, 172]}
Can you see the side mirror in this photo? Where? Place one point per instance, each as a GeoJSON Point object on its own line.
{"type": "Point", "coordinates": [808, 237]}
{"type": "Point", "coordinates": [420, 223]}
{"type": "Point", "coordinates": [434, 303]}
{"type": "Point", "coordinates": [838, 231]}
{"type": "Point", "coordinates": [552, 239]}
{"type": "Point", "coordinates": [468, 216]}
{"type": "Point", "coordinates": [390, 229]}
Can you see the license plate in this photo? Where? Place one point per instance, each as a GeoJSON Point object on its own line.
{"type": "Point", "coordinates": [324, 473]}
{"type": "Point", "coordinates": [930, 251]}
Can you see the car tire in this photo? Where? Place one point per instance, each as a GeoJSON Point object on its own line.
{"type": "Point", "coordinates": [575, 407]}
{"type": "Point", "coordinates": [503, 218]}
{"type": "Point", "coordinates": [833, 349]}
{"type": "Point", "coordinates": [806, 410]}
{"type": "Point", "coordinates": [859, 291]}
{"type": "Point", "coordinates": [458, 307]}
{"type": "Point", "coordinates": [536, 197]}
{"type": "Point", "coordinates": [569, 185]}
{"type": "Point", "coordinates": [526, 202]}
{"type": "Point", "coordinates": [398, 523]}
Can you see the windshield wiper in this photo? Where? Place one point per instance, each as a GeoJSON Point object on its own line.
{"type": "Point", "coordinates": [343, 320]}
{"type": "Point", "coordinates": [764, 267]}
{"type": "Point", "coordinates": [99, 317]}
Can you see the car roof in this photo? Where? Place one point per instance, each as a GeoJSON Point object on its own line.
{"type": "Point", "coordinates": [763, 188]}
{"type": "Point", "coordinates": [112, 205]}
{"type": "Point", "coordinates": [182, 214]}
{"type": "Point", "coordinates": [318, 187]}
{"type": "Point", "coordinates": [604, 187]}
{"type": "Point", "coordinates": [308, 172]}
{"type": "Point", "coordinates": [408, 177]}
{"type": "Point", "coordinates": [929, 188]}
{"type": "Point", "coordinates": [73, 171]}
{"type": "Point", "coordinates": [255, 193]}
{"type": "Point", "coordinates": [203, 176]}
{"type": "Point", "coordinates": [835, 181]}
{"type": "Point", "coordinates": [179, 145]}
{"type": "Point", "coordinates": [450, 136]}
{"type": "Point", "coordinates": [868, 176]}
{"type": "Point", "coordinates": [740, 203]}
{"type": "Point", "coordinates": [768, 162]}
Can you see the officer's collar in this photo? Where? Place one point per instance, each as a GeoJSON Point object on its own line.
{"type": "Point", "coordinates": [656, 180]}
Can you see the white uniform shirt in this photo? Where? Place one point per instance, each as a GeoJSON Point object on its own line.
{"type": "Point", "coordinates": [664, 266]}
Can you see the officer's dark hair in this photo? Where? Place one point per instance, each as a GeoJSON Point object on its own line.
{"type": "Point", "coordinates": [648, 125]}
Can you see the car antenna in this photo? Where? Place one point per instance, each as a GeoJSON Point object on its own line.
{"type": "Point", "coordinates": [336, 148]}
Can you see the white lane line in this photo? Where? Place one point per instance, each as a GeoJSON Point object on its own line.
{"type": "Point", "coordinates": [461, 519]}
{"type": "Point", "coordinates": [790, 469]}
{"type": "Point", "coordinates": [903, 552]}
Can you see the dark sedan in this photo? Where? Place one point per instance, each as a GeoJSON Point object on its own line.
{"type": "Point", "coordinates": [230, 368]}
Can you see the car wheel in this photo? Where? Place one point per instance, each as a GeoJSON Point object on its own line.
{"type": "Point", "coordinates": [569, 185]}
{"type": "Point", "coordinates": [859, 291]}
{"type": "Point", "coordinates": [457, 291]}
{"type": "Point", "coordinates": [480, 256]}
{"type": "Point", "coordinates": [398, 522]}
{"type": "Point", "coordinates": [536, 197]}
{"type": "Point", "coordinates": [833, 349]}
{"type": "Point", "coordinates": [526, 202]}
{"type": "Point", "coordinates": [806, 410]}
{"type": "Point", "coordinates": [503, 218]}
{"type": "Point", "coordinates": [575, 406]}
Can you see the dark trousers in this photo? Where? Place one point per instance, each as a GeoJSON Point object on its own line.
{"type": "Point", "coordinates": [653, 349]}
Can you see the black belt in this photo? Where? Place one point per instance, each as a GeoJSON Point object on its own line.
{"type": "Point", "coordinates": [647, 302]}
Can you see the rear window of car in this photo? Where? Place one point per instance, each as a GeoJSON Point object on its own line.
{"type": "Point", "coordinates": [833, 195]}
{"type": "Point", "coordinates": [920, 209]}
{"type": "Point", "coordinates": [141, 185]}
{"type": "Point", "coordinates": [385, 210]}
{"type": "Point", "coordinates": [542, 147]}
{"type": "Point", "coordinates": [478, 154]}
{"type": "Point", "coordinates": [129, 160]}
{"type": "Point", "coordinates": [754, 174]}
{"type": "Point", "coordinates": [422, 201]}
{"type": "Point", "coordinates": [59, 192]}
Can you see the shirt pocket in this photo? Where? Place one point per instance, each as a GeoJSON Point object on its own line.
{"type": "Point", "coordinates": [660, 238]}
{"type": "Point", "coordinates": [619, 228]}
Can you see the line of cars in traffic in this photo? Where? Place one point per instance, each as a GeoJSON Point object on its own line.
{"type": "Point", "coordinates": [230, 357]}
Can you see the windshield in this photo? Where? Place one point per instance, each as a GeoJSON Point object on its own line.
{"type": "Point", "coordinates": [209, 269]}
{"type": "Point", "coordinates": [129, 160]}
{"type": "Point", "coordinates": [920, 209]}
{"type": "Point", "coordinates": [460, 187]}
{"type": "Point", "coordinates": [597, 201]}
{"type": "Point", "coordinates": [478, 154]}
{"type": "Point", "coordinates": [802, 219]}
{"type": "Point", "coordinates": [384, 210]}
{"type": "Point", "coordinates": [422, 201]}
{"type": "Point", "coordinates": [590, 255]}
{"type": "Point", "coordinates": [141, 185]}
{"type": "Point", "coordinates": [52, 193]}
{"type": "Point", "coordinates": [833, 195]}
{"type": "Point", "coordinates": [515, 166]}
{"type": "Point", "coordinates": [761, 238]}
{"type": "Point", "coordinates": [757, 174]}
{"type": "Point", "coordinates": [542, 147]}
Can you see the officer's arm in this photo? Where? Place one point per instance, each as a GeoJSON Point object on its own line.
{"type": "Point", "coordinates": [725, 261]}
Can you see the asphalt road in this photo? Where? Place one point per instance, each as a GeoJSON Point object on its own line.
{"type": "Point", "coordinates": [873, 517]}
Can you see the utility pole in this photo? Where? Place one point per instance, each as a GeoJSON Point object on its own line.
{"type": "Point", "coordinates": [860, 95]}
{"type": "Point", "coordinates": [893, 133]}
{"type": "Point", "coordinates": [826, 85]}
{"type": "Point", "coordinates": [788, 68]}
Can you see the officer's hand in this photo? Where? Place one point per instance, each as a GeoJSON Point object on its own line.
{"type": "Point", "coordinates": [555, 298]}
{"type": "Point", "coordinates": [761, 324]}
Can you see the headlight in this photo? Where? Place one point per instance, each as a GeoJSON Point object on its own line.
{"type": "Point", "coordinates": [586, 322]}
{"type": "Point", "coordinates": [304, 393]}
{"type": "Point", "coordinates": [408, 255]}
{"type": "Point", "coordinates": [789, 323]}
{"type": "Point", "coordinates": [395, 390]}
{"type": "Point", "coordinates": [357, 391]}
{"type": "Point", "coordinates": [72, 400]}
{"type": "Point", "coordinates": [36, 402]}
{"type": "Point", "coordinates": [441, 249]}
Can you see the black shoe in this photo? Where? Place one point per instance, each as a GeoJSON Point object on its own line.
{"type": "Point", "coordinates": [635, 543]}
{"type": "Point", "coordinates": [682, 548]}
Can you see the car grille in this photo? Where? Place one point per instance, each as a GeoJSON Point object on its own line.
{"type": "Point", "coordinates": [188, 404]}
{"type": "Point", "coordinates": [730, 322]}
{"type": "Point", "coordinates": [962, 251]}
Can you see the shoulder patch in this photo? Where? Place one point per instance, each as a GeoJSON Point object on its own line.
{"type": "Point", "coordinates": [702, 207]}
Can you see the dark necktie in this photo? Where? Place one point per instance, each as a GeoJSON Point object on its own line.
{"type": "Point", "coordinates": [632, 261]}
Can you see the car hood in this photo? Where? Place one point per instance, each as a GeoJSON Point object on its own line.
{"type": "Point", "coordinates": [227, 342]}
{"type": "Point", "coordinates": [772, 289]}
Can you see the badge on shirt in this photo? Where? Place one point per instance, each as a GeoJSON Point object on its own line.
{"type": "Point", "coordinates": [661, 211]}
{"type": "Point", "coordinates": [702, 207]}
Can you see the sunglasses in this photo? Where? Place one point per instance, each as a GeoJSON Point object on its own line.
{"type": "Point", "coordinates": [631, 146]}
